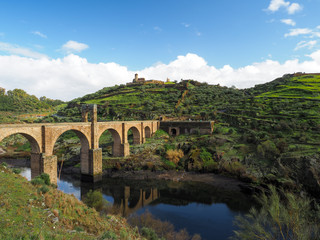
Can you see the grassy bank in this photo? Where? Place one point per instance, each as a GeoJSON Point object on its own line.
{"type": "Point", "coordinates": [43, 212]}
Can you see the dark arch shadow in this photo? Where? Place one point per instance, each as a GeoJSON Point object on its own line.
{"type": "Point", "coordinates": [136, 135]}
{"type": "Point", "coordinates": [84, 149]}
{"type": "Point", "coordinates": [147, 132]}
{"type": "Point", "coordinates": [116, 143]}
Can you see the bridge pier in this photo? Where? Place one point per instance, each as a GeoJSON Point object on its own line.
{"type": "Point", "coordinates": [92, 171]}
{"type": "Point", "coordinates": [40, 163]}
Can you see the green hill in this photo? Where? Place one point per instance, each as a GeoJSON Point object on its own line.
{"type": "Point", "coordinates": [17, 105]}
{"type": "Point", "coordinates": [271, 130]}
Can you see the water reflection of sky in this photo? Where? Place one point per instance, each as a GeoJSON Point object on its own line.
{"type": "Point", "coordinates": [25, 172]}
{"type": "Point", "coordinates": [69, 188]}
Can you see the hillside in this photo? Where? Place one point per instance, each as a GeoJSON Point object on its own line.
{"type": "Point", "coordinates": [265, 134]}
{"type": "Point", "coordinates": [17, 105]}
{"type": "Point", "coordinates": [272, 129]}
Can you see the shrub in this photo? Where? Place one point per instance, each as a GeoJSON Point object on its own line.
{"type": "Point", "coordinates": [37, 181]}
{"type": "Point", "coordinates": [4, 164]}
{"type": "Point", "coordinates": [294, 217]}
{"type": "Point", "coordinates": [149, 233]}
{"type": "Point", "coordinates": [205, 156]}
{"type": "Point", "coordinates": [174, 155]}
{"type": "Point", "coordinates": [94, 199]}
{"type": "Point", "coordinates": [109, 235]}
{"type": "Point", "coordinates": [16, 170]}
{"type": "Point", "coordinates": [169, 165]}
{"type": "Point", "coordinates": [268, 149]}
{"type": "Point", "coordinates": [44, 189]}
{"type": "Point", "coordinates": [46, 178]}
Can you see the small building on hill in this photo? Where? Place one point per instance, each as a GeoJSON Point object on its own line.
{"type": "Point", "coordinates": [141, 81]}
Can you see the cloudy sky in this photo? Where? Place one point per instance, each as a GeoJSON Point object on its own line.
{"type": "Point", "coordinates": [65, 49]}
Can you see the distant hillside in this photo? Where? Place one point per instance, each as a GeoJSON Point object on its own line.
{"type": "Point", "coordinates": [15, 104]}
{"type": "Point", "coordinates": [286, 108]}
{"type": "Point", "coordinates": [184, 100]}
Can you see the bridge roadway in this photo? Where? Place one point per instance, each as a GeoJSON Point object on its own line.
{"type": "Point", "coordinates": [42, 138]}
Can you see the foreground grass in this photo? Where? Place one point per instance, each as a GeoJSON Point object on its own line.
{"type": "Point", "coordinates": [27, 213]}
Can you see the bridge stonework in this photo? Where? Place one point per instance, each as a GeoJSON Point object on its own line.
{"type": "Point", "coordinates": [42, 138]}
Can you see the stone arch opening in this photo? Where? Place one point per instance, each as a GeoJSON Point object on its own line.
{"type": "Point", "coordinates": [173, 132]}
{"type": "Point", "coordinates": [71, 148]}
{"type": "Point", "coordinates": [134, 136]}
{"type": "Point", "coordinates": [19, 144]}
{"type": "Point", "coordinates": [110, 143]}
{"type": "Point", "coordinates": [147, 132]}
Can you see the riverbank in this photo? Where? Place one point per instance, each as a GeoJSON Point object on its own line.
{"type": "Point", "coordinates": [43, 212]}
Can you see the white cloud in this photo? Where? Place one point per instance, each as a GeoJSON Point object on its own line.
{"type": "Point", "coordinates": [288, 22]}
{"type": "Point", "coordinates": [21, 51]}
{"type": "Point", "coordinates": [305, 44]}
{"type": "Point", "coordinates": [291, 8]}
{"type": "Point", "coordinates": [72, 76]}
{"type": "Point", "coordinates": [73, 46]}
{"type": "Point", "coordinates": [298, 31]}
{"type": "Point", "coordinates": [276, 4]}
{"type": "Point", "coordinates": [39, 34]}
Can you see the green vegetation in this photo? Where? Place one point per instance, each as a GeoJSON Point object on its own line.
{"type": "Point", "coordinates": [29, 212]}
{"type": "Point", "coordinates": [282, 216]}
{"type": "Point", "coordinates": [17, 106]}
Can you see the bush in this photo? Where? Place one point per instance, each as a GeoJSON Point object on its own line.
{"type": "Point", "coordinates": [149, 233]}
{"type": "Point", "coordinates": [44, 189]}
{"type": "Point", "coordinates": [294, 217]}
{"type": "Point", "coordinates": [16, 170]}
{"type": "Point", "coordinates": [174, 155]}
{"type": "Point", "coordinates": [109, 235]}
{"type": "Point", "coordinates": [4, 164]}
{"type": "Point", "coordinates": [37, 181]}
{"type": "Point", "coordinates": [94, 199]}
{"type": "Point", "coordinates": [43, 179]}
{"type": "Point", "coordinates": [169, 165]}
{"type": "Point", "coordinates": [205, 156]}
{"type": "Point", "coordinates": [46, 178]}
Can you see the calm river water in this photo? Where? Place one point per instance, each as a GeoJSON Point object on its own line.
{"type": "Point", "coordinates": [197, 207]}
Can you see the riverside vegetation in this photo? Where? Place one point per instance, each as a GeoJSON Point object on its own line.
{"type": "Point", "coordinates": [268, 134]}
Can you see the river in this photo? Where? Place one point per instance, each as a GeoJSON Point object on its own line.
{"type": "Point", "coordinates": [198, 207]}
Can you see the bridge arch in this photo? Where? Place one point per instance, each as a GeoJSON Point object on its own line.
{"type": "Point", "coordinates": [116, 147]}
{"type": "Point", "coordinates": [147, 132]}
{"type": "Point", "coordinates": [136, 135]}
{"type": "Point", "coordinates": [35, 146]}
{"type": "Point", "coordinates": [84, 149]}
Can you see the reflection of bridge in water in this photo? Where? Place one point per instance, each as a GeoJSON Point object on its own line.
{"type": "Point", "coordinates": [145, 198]}
{"type": "Point", "coordinates": [127, 200]}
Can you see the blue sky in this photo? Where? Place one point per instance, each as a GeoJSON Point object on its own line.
{"type": "Point", "coordinates": [64, 49]}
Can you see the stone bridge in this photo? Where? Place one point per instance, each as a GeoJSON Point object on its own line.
{"type": "Point", "coordinates": [42, 138]}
